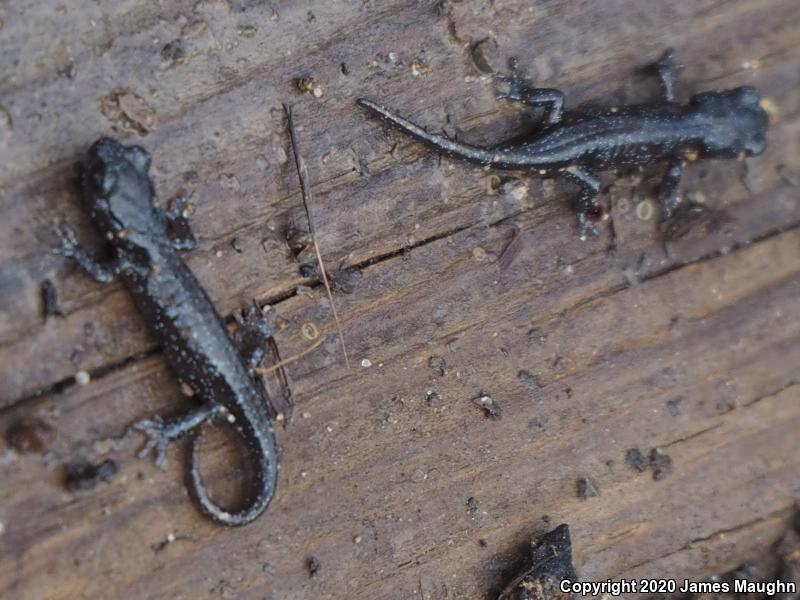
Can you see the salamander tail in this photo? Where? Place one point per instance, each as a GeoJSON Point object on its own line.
{"type": "Point", "coordinates": [444, 144]}
{"type": "Point", "coordinates": [263, 486]}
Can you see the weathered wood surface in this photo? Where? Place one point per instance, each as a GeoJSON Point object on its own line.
{"type": "Point", "coordinates": [590, 348]}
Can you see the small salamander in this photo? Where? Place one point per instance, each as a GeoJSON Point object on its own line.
{"type": "Point", "coordinates": [581, 143]}
{"type": "Point", "coordinates": [119, 197]}
{"type": "Point", "coordinates": [549, 564]}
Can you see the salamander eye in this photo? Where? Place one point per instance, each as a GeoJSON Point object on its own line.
{"type": "Point", "coordinates": [106, 180]}
{"type": "Point", "coordinates": [139, 158]}
{"type": "Point", "coordinates": [747, 96]}
{"type": "Point", "coordinates": [756, 144]}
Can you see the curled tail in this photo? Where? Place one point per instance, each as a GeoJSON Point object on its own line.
{"type": "Point", "coordinates": [450, 147]}
{"type": "Point", "coordinates": [260, 444]}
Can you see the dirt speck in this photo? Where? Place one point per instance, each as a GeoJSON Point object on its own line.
{"type": "Point", "coordinates": [438, 364]}
{"type": "Point", "coordinates": [472, 506]}
{"type": "Point", "coordinates": [674, 406]}
{"type": "Point", "coordinates": [194, 29]}
{"type": "Point", "coordinates": [61, 54]}
{"type": "Point", "coordinates": [661, 464]}
{"type": "Point", "coordinates": [529, 379]}
{"type": "Point", "coordinates": [478, 254]}
{"type": "Point", "coordinates": [237, 245]}
{"type": "Point", "coordinates": [172, 54]}
{"type": "Point", "coordinates": [313, 565]}
{"type": "Point", "coordinates": [636, 459]}
{"type": "Point", "coordinates": [50, 306]}
{"type": "Point", "coordinates": [6, 124]}
{"type": "Point", "coordinates": [247, 31]}
{"type": "Point", "coordinates": [308, 85]}
{"type": "Point", "coordinates": [587, 488]}
{"type": "Point", "coordinates": [30, 435]}
{"type": "Point", "coordinates": [342, 280]}
{"type": "Point", "coordinates": [230, 181]}
{"type": "Point", "coordinates": [128, 111]}
{"type": "Point", "coordinates": [433, 399]}
{"type": "Point", "coordinates": [491, 409]}
{"type": "Point", "coordinates": [85, 476]}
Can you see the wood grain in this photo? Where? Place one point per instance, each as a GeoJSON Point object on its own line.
{"type": "Point", "coordinates": [589, 348]}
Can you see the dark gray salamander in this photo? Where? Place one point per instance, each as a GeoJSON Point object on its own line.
{"type": "Point", "coordinates": [579, 144]}
{"type": "Point", "coordinates": [118, 194]}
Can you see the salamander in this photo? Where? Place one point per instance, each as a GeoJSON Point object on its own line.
{"type": "Point", "coordinates": [145, 242]}
{"type": "Point", "coordinates": [579, 144]}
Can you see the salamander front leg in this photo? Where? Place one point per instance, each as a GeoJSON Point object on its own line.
{"type": "Point", "coordinates": [587, 209]}
{"type": "Point", "coordinates": [666, 70]}
{"type": "Point", "coordinates": [100, 272]}
{"type": "Point", "coordinates": [519, 90]}
{"type": "Point", "coordinates": [161, 433]}
{"type": "Point", "coordinates": [180, 232]}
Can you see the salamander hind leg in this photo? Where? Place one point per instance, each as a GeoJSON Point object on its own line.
{"type": "Point", "coordinates": [670, 201]}
{"type": "Point", "coordinates": [257, 348]}
{"type": "Point", "coordinates": [255, 328]}
{"type": "Point", "coordinates": [162, 432]}
{"type": "Point", "coordinates": [587, 209]}
{"type": "Point", "coordinates": [519, 90]}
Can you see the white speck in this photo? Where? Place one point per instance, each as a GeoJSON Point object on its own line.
{"type": "Point", "coordinates": [357, 539]}
{"type": "Point", "coordinates": [2, 528]}
{"type": "Point", "coordinates": [170, 537]}
{"type": "Point", "coordinates": [569, 270]}
{"type": "Point", "coordinates": [366, 363]}
{"type": "Point", "coordinates": [306, 415]}
{"type": "Point", "coordinates": [303, 473]}
{"type": "Point", "coordinates": [328, 428]}
{"type": "Point", "coordinates": [82, 377]}
{"type": "Point", "coordinates": [519, 192]}
{"type": "Point", "coordinates": [231, 418]}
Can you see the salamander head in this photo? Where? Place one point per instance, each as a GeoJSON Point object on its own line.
{"type": "Point", "coordinates": [734, 121]}
{"type": "Point", "coordinates": [117, 190]}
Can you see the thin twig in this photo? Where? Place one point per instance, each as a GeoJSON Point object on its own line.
{"type": "Point", "coordinates": [302, 173]}
{"type": "Point", "coordinates": [291, 359]}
